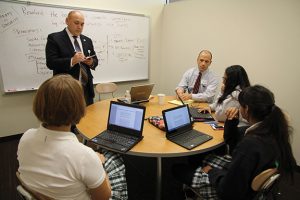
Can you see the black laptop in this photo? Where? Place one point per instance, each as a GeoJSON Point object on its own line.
{"type": "Point", "coordinates": [139, 93]}
{"type": "Point", "coordinates": [196, 115]}
{"type": "Point", "coordinates": [179, 128]}
{"type": "Point", "coordinates": [124, 127]}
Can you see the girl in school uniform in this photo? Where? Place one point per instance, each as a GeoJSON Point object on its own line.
{"type": "Point", "coordinates": [235, 79]}
{"type": "Point", "coordinates": [51, 159]}
{"type": "Point", "coordinates": [265, 144]}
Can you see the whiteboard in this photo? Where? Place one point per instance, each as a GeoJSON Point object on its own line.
{"type": "Point", "coordinates": [121, 42]}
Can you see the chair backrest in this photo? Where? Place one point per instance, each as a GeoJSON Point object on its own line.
{"type": "Point", "coordinates": [104, 88]}
{"type": "Point", "coordinates": [264, 179]}
{"type": "Point", "coordinates": [264, 182]}
{"type": "Point", "coordinates": [23, 194]}
{"type": "Point", "coordinates": [28, 193]}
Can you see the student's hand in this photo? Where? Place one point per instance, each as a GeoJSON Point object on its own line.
{"type": "Point", "coordinates": [206, 169]}
{"type": "Point", "coordinates": [186, 96]}
{"type": "Point", "coordinates": [102, 157]}
{"type": "Point", "coordinates": [232, 113]}
{"type": "Point", "coordinates": [205, 110]}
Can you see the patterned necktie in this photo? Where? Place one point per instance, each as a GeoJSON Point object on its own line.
{"type": "Point", "coordinates": [84, 76]}
{"type": "Point", "coordinates": [197, 84]}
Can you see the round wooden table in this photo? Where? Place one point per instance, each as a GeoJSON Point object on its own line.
{"type": "Point", "coordinates": [154, 143]}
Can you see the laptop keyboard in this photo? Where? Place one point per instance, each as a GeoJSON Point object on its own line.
{"type": "Point", "coordinates": [194, 112]}
{"type": "Point", "coordinates": [190, 137]}
{"type": "Point", "coordinates": [110, 145]}
{"type": "Point", "coordinates": [115, 137]}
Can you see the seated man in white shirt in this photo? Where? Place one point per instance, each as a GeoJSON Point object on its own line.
{"type": "Point", "coordinates": [203, 88]}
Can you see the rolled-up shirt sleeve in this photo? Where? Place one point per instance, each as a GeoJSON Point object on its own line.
{"type": "Point", "coordinates": [187, 80]}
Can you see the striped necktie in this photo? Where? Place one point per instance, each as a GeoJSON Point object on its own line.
{"type": "Point", "coordinates": [197, 84]}
{"type": "Point", "coordinates": [84, 76]}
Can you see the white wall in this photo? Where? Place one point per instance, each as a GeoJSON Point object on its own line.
{"type": "Point", "coordinates": [262, 36]}
{"type": "Point", "coordinates": [16, 109]}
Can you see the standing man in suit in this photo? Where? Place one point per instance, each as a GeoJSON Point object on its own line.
{"type": "Point", "coordinates": [70, 52]}
{"type": "Point", "coordinates": [199, 83]}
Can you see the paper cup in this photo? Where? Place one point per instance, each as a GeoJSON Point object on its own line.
{"type": "Point", "coordinates": [161, 99]}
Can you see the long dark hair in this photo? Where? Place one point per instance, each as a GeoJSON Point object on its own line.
{"type": "Point", "coordinates": [261, 107]}
{"type": "Point", "coordinates": [236, 75]}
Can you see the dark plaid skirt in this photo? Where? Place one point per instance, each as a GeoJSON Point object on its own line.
{"type": "Point", "coordinates": [200, 180]}
{"type": "Point", "coordinates": [115, 169]}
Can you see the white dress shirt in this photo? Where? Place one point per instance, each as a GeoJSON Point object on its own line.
{"type": "Point", "coordinates": [208, 86]}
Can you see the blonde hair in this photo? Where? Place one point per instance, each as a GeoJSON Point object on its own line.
{"type": "Point", "coordinates": [59, 101]}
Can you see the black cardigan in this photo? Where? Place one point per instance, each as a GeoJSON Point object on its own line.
{"type": "Point", "coordinates": [252, 155]}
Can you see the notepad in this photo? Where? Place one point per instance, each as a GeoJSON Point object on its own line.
{"type": "Point", "coordinates": [88, 57]}
{"type": "Point", "coordinates": [177, 102]}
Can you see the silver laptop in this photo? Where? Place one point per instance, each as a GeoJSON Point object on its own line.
{"type": "Point", "coordinates": [139, 93]}
{"type": "Point", "coordinates": [124, 127]}
{"type": "Point", "coordinates": [179, 128]}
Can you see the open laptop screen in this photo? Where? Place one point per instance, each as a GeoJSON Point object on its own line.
{"type": "Point", "coordinates": [177, 118]}
{"type": "Point", "coordinates": [141, 92]}
{"type": "Point", "coordinates": [126, 116]}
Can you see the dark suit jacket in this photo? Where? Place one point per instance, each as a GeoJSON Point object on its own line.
{"type": "Point", "coordinates": [59, 51]}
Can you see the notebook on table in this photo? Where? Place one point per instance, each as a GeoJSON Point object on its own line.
{"type": "Point", "coordinates": [139, 93]}
{"type": "Point", "coordinates": [196, 115]}
{"type": "Point", "coordinates": [179, 128]}
{"type": "Point", "coordinates": [124, 127]}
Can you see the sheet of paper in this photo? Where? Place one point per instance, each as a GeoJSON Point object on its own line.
{"type": "Point", "coordinates": [177, 102]}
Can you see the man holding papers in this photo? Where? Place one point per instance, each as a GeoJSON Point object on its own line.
{"type": "Point", "coordinates": [70, 52]}
{"type": "Point", "coordinates": [199, 83]}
